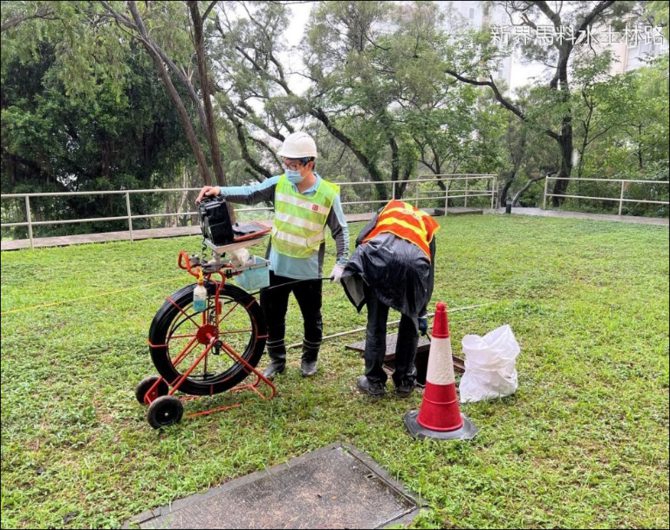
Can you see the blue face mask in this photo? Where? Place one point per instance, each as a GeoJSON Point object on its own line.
{"type": "Point", "coordinates": [293, 176]}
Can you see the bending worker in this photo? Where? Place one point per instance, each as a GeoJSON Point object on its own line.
{"type": "Point", "coordinates": [393, 266]}
{"type": "Point", "coordinates": [304, 204]}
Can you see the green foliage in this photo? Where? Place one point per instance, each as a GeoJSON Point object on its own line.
{"type": "Point", "coordinates": [82, 107]}
{"type": "Point", "coordinates": [582, 444]}
{"type": "Point", "coordinates": [382, 76]}
{"type": "Point", "coordinates": [626, 137]}
{"type": "Point", "coordinates": [88, 58]}
{"type": "Point", "coordinates": [659, 12]}
{"type": "Point", "coordinates": [103, 134]}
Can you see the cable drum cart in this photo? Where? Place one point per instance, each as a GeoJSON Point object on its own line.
{"type": "Point", "coordinates": [210, 344]}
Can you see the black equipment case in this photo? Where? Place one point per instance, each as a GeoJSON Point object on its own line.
{"type": "Point", "coordinates": [215, 221]}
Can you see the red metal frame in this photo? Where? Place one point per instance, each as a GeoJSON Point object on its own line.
{"type": "Point", "coordinates": [207, 334]}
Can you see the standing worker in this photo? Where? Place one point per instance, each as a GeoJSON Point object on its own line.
{"type": "Point", "coordinates": [393, 266]}
{"type": "Point", "coordinates": [304, 204]}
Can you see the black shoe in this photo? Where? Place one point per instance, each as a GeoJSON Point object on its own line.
{"type": "Point", "coordinates": [375, 390]}
{"type": "Point", "coordinates": [404, 389]}
{"type": "Point", "coordinates": [308, 368]}
{"type": "Point", "coordinates": [274, 368]}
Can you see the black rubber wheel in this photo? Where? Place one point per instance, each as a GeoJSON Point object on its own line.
{"type": "Point", "coordinates": [175, 328]}
{"type": "Point", "coordinates": [145, 384]}
{"type": "Point", "coordinates": [164, 411]}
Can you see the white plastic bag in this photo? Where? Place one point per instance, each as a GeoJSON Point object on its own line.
{"type": "Point", "coordinates": [490, 365]}
{"type": "Point", "coordinates": [239, 256]}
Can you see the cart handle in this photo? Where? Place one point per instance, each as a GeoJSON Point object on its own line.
{"type": "Point", "coordinates": [184, 262]}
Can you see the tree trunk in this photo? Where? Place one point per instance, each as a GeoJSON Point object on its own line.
{"type": "Point", "coordinates": [565, 146]}
{"type": "Point", "coordinates": [210, 126]}
{"type": "Point", "coordinates": [505, 189]}
{"type": "Point", "coordinates": [395, 167]}
{"type": "Point", "coordinates": [565, 138]}
{"type": "Point", "coordinates": [184, 118]}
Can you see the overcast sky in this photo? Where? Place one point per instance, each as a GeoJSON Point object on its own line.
{"type": "Point", "coordinates": [294, 34]}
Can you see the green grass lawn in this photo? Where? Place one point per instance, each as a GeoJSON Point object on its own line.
{"type": "Point", "coordinates": [583, 443]}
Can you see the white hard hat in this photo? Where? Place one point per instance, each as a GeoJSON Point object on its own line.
{"type": "Point", "coordinates": [298, 145]}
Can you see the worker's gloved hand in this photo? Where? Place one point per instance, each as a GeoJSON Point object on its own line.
{"type": "Point", "coordinates": [207, 191]}
{"type": "Point", "coordinates": [423, 325]}
{"type": "Point", "coordinates": [336, 274]}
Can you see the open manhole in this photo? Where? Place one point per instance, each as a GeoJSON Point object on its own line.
{"type": "Point", "coordinates": [333, 487]}
{"type": "Point", "coordinates": [420, 361]}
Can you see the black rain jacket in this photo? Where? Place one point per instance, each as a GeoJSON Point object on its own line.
{"type": "Point", "coordinates": [397, 271]}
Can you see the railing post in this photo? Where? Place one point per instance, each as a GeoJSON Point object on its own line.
{"type": "Point", "coordinates": [393, 189]}
{"type": "Point", "coordinates": [621, 197]}
{"type": "Point", "coordinates": [494, 189]}
{"type": "Point", "coordinates": [130, 217]}
{"type": "Point", "coordinates": [544, 199]}
{"type": "Point", "coordinates": [416, 195]}
{"type": "Point", "coordinates": [29, 218]}
{"type": "Point", "coordinates": [446, 196]}
{"type": "Point", "coordinates": [465, 202]}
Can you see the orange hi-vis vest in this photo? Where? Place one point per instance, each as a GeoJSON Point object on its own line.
{"type": "Point", "coordinates": [407, 222]}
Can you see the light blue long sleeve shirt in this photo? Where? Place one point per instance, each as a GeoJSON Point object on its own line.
{"type": "Point", "coordinates": [309, 268]}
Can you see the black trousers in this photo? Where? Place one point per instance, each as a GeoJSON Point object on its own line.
{"type": "Point", "coordinates": [375, 343]}
{"type": "Point", "coordinates": [274, 302]}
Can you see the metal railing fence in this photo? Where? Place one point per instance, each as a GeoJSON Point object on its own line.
{"type": "Point", "coordinates": [624, 185]}
{"type": "Point", "coordinates": [474, 186]}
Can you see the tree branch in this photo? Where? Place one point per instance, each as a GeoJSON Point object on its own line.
{"type": "Point", "coordinates": [43, 12]}
{"type": "Point", "coordinates": [588, 19]}
{"type": "Point", "coordinates": [209, 8]}
{"type": "Point", "coordinates": [504, 102]}
{"type": "Point", "coordinates": [554, 17]}
{"type": "Point", "coordinates": [242, 140]}
{"type": "Point", "coordinates": [525, 187]}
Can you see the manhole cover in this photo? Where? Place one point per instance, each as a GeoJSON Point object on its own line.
{"type": "Point", "coordinates": [420, 361]}
{"type": "Point", "coordinates": [333, 487]}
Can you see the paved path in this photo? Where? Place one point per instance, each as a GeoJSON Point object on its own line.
{"type": "Point", "coordinates": [580, 215]}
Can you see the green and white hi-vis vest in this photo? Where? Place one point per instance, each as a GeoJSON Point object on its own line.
{"type": "Point", "coordinates": [299, 223]}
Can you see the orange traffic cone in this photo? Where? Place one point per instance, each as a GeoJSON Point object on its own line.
{"type": "Point", "coordinates": [440, 416]}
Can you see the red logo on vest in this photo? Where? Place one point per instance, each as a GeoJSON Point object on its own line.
{"type": "Point", "coordinates": [315, 207]}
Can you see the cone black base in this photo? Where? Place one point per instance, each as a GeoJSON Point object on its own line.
{"type": "Point", "coordinates": [466, 432]}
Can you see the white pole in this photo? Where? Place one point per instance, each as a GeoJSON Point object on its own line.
{"type": "Point", "coordinates": [494, 191]}
{"type": "Point", "coordinates": [130, 217]}
{"type": "Point", "coordinates": [29, 218]}
{"type": "Point", "coordinates": [446, 197]}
